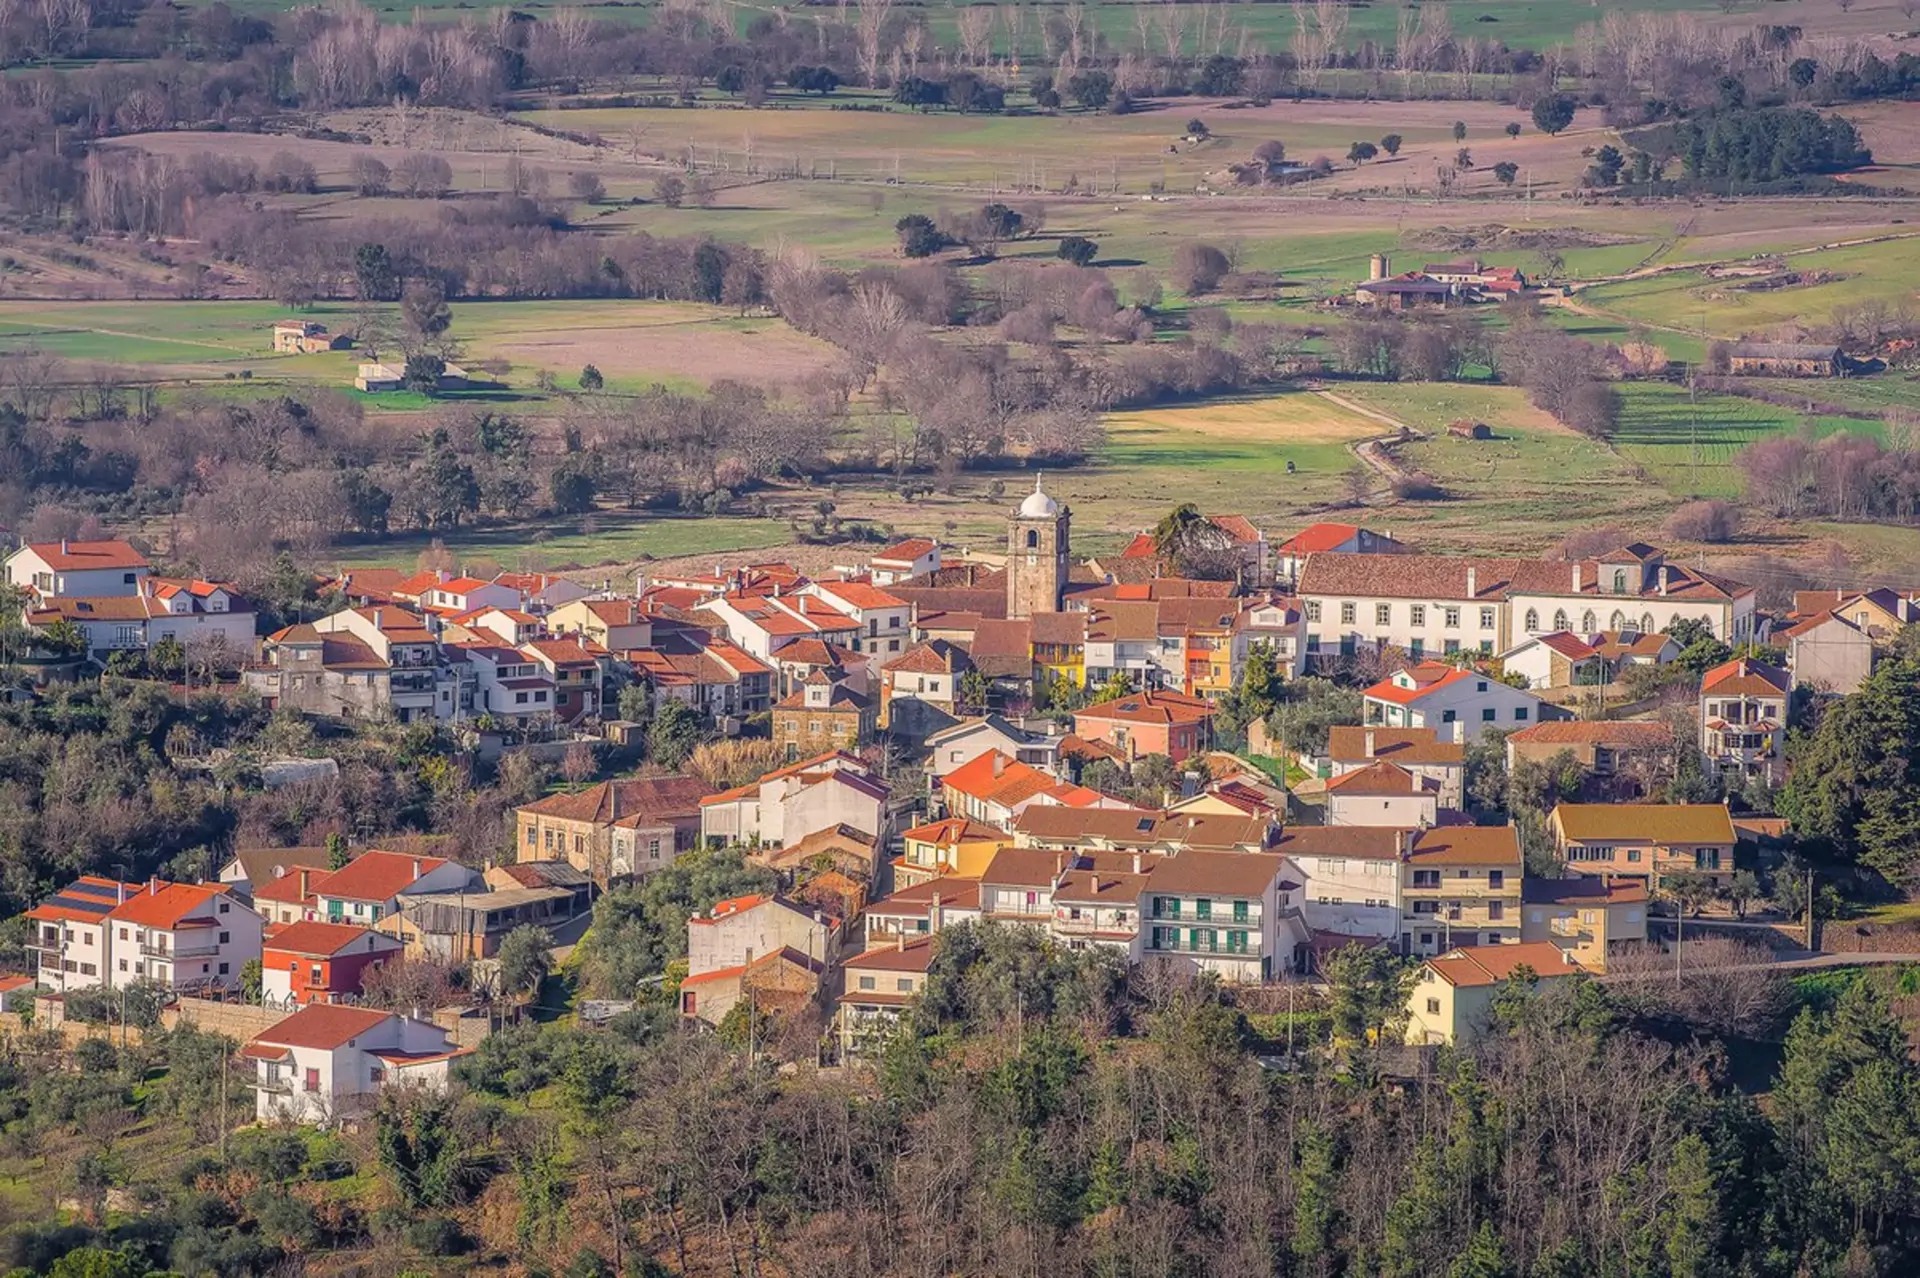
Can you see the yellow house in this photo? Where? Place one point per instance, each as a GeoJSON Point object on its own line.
{"type": "Point", "coordinates": [956, 846]}
{"type": "Point", "coordinates": [1460, 886]}
{"type": "Point", "coordinates": [1452, 1002]}
{"type": "Point", "coordinates": [1060, 646]}
{"type": "Point", "coordinates": [1586, 916]}
{"type": "Point", "coordinates": [1646, 841]}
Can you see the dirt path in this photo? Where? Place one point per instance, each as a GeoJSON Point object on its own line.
{"type": "Point", "coordinates": [1372, 451]}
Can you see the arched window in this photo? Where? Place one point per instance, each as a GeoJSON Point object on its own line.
{"type": "Point", "coordinates": [1619, 581]}
{"type": "Point", "coordinates": [1533, 621]}
{"type": "Point", "coordinates": [1560, 619]}
{"type": "Point", "coordinates": [1588, 622]}
{"type": "Point", "coordinates": [1646, 623]}
{"type": "Point", "coordinates": [1033, 538]}
{"type": "Point", "coordinates": [1618, 621]}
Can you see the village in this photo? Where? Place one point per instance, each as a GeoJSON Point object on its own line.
{"type": "Point", "coordinates": [943, 727]}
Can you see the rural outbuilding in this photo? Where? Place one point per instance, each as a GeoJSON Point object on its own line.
{"type": "Point", "coordinates": [1783, 359]}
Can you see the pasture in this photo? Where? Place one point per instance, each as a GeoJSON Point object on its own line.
{"type": "Point", "coordinates": [1687, 444]}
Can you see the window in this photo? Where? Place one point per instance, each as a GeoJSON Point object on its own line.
{"type": "Point", "coordinates": [376, 1075]}
{"type": "Point", "coordinates": [1346, 614]}
{"type": "Point", "coordinates": [1486, 618]}
{"type": "Point", "coordinates": [1480, 686]}
{"type": "Point", "coordinates": [223, 969]}
{"type": "Point", "coordinates": [1533, 621]}
{"type": "Point", "coordinates": [866, 983]}
{"type": "Point", "coordinates": [533, 837]}
{"type": "Point", "coordinates": [1426, 907]}
{"type": "Point", "coordinates": [88, 969]}
{"type": "Point", "coordinates": [1520, 713]}
{"type": "Point", "coordinates": [1633, 856]}
{"type": "Point", "coordinates": [222, 908]}
{"type": "Point", "coordinates": [1588, 622]}
{"type": "Point", "coordinates": [1451, 647]}
{"type": "Point", "coordinates": [1418, 614]}
{"type": "Point", "coordinates": [1451, 617]}
{"type": "Point", "coordinates": [1239, 911]}
{"type": "Point", "coordinates": [123, 934]}
{"type": "Point", "coordinates": [1486, 716]}
{"type": "Point", "coordinates": [1448, 716]}
{"type": "Point", "coordinates": [1033, 539]}
{"type": "Point", "coordinates": [653, 849]}
{"type": "Point", "coordinates": [519, 698]}
{"type": "Point", "coordinates": [1383, 614]}
{"type": "Point", "coordinates": [1332, 867]}
{"type": "Point", "coordinates": [1619, 581]}
{"type": "Point", "coordinates": [226, 937]}
{"type": "Point", "coordinates": [1559, 618]}
{"type": "Point", "coordinates": [123, 965]}
{"type": "Point", "coordinates": [313, 1080]}
{"type": "Point", "coordinates": [1417, 648]}
{"type": "Point", "coordinates": [1496, 910]}
{"type": "Point", "coordinates": [904, 984]}
{"type": "Point", "coordinates": [1313, 610]}
{"type": "Point", "coordinates": [1618, 621]}
{"type": "Point", "coordinates": [1203, 909]}
{"type": "Point", "coordinates": [1426, 878]}
{"type": "Point", "coordinates": [1433, 1007]}
{"type": "Point", "coordinates": [1646, 623]}
{"type": "Point", "coordinates": [1496, 879]}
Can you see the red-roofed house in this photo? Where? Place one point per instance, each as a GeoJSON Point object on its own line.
{"type": "Point", "coordinates": [1383, 794]}
{"type": "Point", "coordinates": [763, 624]}
{"type": "Point", "coordinates": [920, 689]}
{"type": "Point", "coordinates": [452, 595]}
{"type": "Point", "coordinates": [1457, 703]}
{"type": "Point", "coordinates": [541, 592]}
{"type": "Point", "coordinates": [69, 939]}
{"type": "Point", "coordinates": [1315, 539]}
{"type": "Point", "coordinates": [575, 673]}
{"type": "Point", "coordinates": [84, 569]}
{"type": "Point", "coordinates": [328, 1062]}
{"type": "Point", "coordinates": [183, 936]}
{"type": "Point", "coordinates": [1555, 660]}
{"type": "Point", "coordinates": [784, 981]}
{"type": "Point", "coordinates": [914, 557]}
{"type": "Point", "coordinates": [885, 620]}
{"type": "Point", "coordinates": [1829, 652]}
{"type": "Point", "coordinates": [994, 789]}
{"type": "Point", "coordinates": [1452, 1001]}
{"type": "Point", "coordinates": [303, 963]}
{"type": "Point", "coordinates": [369, 887]}
{"type": "Point", "coordinates": [1149, 723]}
{"type": "Point", "coordinates": [1743, 718]}
{"type": "Point", "coordinates": [618, 625]}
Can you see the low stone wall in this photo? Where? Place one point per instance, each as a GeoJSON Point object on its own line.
{"type": "Point", "coordinates": [1775, 936]}
{"type": "Point", "coordinates": [13, 1025]}
{"type": "Point", "coordinates": [1853, 936]}
{"type": "Point", "coordinates": [239, 1021]}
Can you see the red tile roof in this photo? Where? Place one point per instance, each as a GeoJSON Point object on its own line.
{"type": "Point", "coordinates": [862, 594]}
{"type": "Point", "coordinates": [1316, 538]}
{"type": "Point", "coordinates": [905, 552]}
{"type": "Point", "coordinates": [286, 888]}
{"type": "Point", "coordinates": [309, 938]}
{"type": "Point", "coordinates": [1379, 778]}
{"type": "Point", "coordinates": [79, 555]}
{"type": "Point", "coordinates": [170, 907]}
{"type": "Point", "coordinates": [1472, 965]}
{"type": "Point", "coordinates": [1572, 647]}
{"type": "Point", "coordinates": [377, 876]}
{"type": "Point", "coordinates": [1405, 746]}
{"type": "Point", "coordinates": [994, 778]}
{"type": "Point", "coordinates": [321, 1026]}
{"type": "Point", "coordinates": [1618, 733]}
{"type": "Point", "coordinates": [1745, 677]}
{"type": "Point", "coordinates": [87, 899]}
{"type": "Point", "coordinates": [1428, 676]}
{"type": "Point", "coordinates": [1149, 707]}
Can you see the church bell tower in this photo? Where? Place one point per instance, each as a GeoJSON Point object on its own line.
{"type": "Point", "coordinates": [1037, 550]}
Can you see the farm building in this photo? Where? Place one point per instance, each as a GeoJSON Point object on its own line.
{"type": "Point", "coordinates": [1404, 292]}
{"type": "Point", "coordinates": [1470, 430]}
{"type": "Point", "coordinates": [1783, 359]}
{"type": "Point", "coordinates": [390, 377]}
{"type": "Point", "coordinates": [305, 337]}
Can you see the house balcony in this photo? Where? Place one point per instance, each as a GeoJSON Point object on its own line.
{"type": "Point", "coordinates": [1183, 943]}
{"type": "Point", "coordinates": [1464, 914]}
{"type": "Point", "coordinates": [276, 1084]}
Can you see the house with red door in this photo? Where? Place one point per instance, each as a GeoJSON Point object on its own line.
{"type": "Point", "coordinates": [310, 962]}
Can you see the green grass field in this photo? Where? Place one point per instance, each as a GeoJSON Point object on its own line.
{"type": "Point", "coordinates": [612, 538]}
{"type": "Point", "coordinates": [1687, 445]}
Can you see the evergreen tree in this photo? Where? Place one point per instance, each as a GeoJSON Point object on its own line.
{"type": "Point", "coordinates": [1484, 1257]}
{"type": "Point", "coordinates": [1692, 1224]}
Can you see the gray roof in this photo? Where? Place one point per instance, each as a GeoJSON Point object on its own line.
{"type": "Point", "coordinates": [1781, 350]}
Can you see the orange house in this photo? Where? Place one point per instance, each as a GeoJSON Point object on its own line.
{"type": "Point", "coordinates": [1139, 723]}
{"type": "Point", "coordinates": [312, 962]}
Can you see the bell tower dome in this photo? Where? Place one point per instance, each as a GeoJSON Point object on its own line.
{"type": "Point", "coordinates": [1037, 548]}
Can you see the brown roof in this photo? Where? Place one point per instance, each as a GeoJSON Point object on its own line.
{"type": "Point", "coordinates": [1663, 823]}
{"type": "Point", "coordinates": [1378, 778]}
{"type": "Point", "coordinates": [1149, 707]}
{"type": "Point", "coordinates": [915, 956]}
{"type": "Point", "coordinates": [915, 901]}
{"type": "Point", "coordinates": [1356, 842]}
{"type": "Point", "coordinates": [1445, 577]}
{"type": "Point", "coordinates": [377, 876]}
{"type": "Point", "coordinates": [1024, 867]}
{"type": "Point", "coordinates": [951, 830]}
{"type": "Point", "coordinates": [814, 652]}
{"type": "Point", "coordinates": [1215, 873]}
{"type": "Point", "coordinates": [1466, 845]}
{"type": "Point", "coordinates": [1131, 828]}
{"type": "Point", "coordinates": [1578, 888]}
{"type": "Point", "coordinates": [263, 865]}
{"type": "Point", "coordinates": [1404, 746]}
{"type": "Point", "coordinates": [934, 656]}
{"type": "Point", "coordinates": [1630, 734]}
{"type": "Point", "coordinates": [662, 798]}
{"type": "Point", "coordinates": [1003, 649]}
{"type": "Point", "coordinates": [309, 937]}
{"type": "Point", "coordinates": [544, 874]}
{"type": "Point", "coordinates": [1116, 621]}
{"type": "Point", "coordinates": [1091, 887]}
{"type": "Point", "coordinates": [1493, 964]}
{"type": "Point", "coordinates": [1058, 627]}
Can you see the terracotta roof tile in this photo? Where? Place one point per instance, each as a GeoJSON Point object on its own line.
{"type": "Point", "coordinates": [322, 1027]}
{"type": "Point", "coordinates": [1475, 965]}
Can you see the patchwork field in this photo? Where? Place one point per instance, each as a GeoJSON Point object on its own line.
{"type": "Point", "coordinates": [1686, 444]}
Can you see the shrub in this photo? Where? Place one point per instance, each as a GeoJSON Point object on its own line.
{"type": "Point", "coordinates": [1708, 521]}
{"type": "Point", "coordinates": [1198, 268]}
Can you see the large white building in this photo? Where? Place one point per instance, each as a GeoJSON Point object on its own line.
{"type": "Point", "coordinates": [1438, 604]}
{"type": "Point", "coordinates": [787, 805]}
{"type": "Point", "coordinates": [98, 932]}
{"type": "Point", "coordinates": [1455, 703]}
{"type": "Point", "coordinates": [82, 569]}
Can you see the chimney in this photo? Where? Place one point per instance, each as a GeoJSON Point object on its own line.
{"type": "Point", "coordinates": [153, 885]}
{"type": "Point", "coordinates": [1576, 577]}
{"type": "Point", "coordinates": [933, 914]}
{"type": "Point", "coordinates": [1136, 861]}
{"type": "Point", "coordinates": [1369, 750]}
{"type": "Point", "coordinates": [304, 872]}
{"type": "Point", "coordinates": [63, 545]}
{"type": "Point", "coordinates": [1663, 579]}
{"type": "Point", "coordinates": [1472, 577]}
{"type": "Point", "coordinates": [376, 618]}
{"type": "Point", "coordinates": [416, 868]}
{"type": "Point", "coordinates": [900, 940]}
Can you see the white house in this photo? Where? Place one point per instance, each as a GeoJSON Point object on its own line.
{"type": "Point", "coordinates": [763, 624]}
{"type": "Point", "coordinates": [914, 557]}
{"type": "Point", "coordinates": [507, 682]}
{"type": "Point", "coordinates": [1418, 750]}
{"type": "Point", "coordinates": [370, 887]}
{"type": "Point", "coordinates": [449, 596]}
{"type": "Point", "coordinates": [191, 613]}
{"type": "Point", "coordinates": [328, 1061]}
{"type": "Point", "coordinates": [1383, 794]}
{"type": "Point", "coordinates": [1458, 704]}
{"type": "Point", "coordinates": [1555, 660]}
{"type": "Point", "coordinates": [540, 592]}
{"type": "Point", "coordinates": [885, 620]}
{"type": "Point", "coordinates": [1017, 885]}
{"type": "Point", "coordinates": [1326, 538]}
{"type": "Point", "coordinates": [741, 929]}
{"type": "Point", "coordinates": [85, 569]}
{"type": "Point", "coordinates": [183, 936]}
{"type": "Point", "coordinates": [1632, 588]}
{"type": "Point", "coordinates": [1350, 877]}
{"type": "Point", "coordinates": [1277, 623]}
{"type": "Point", "coordinates": [1230, 913]}
{"type": "Point", "coordinates": [955, 747]}
{"type": "Point", "coordinates": [792, 802]}
{"type": "Point", "coordinates": [69, 934]}
{"type": "Point", "coordinates": [1743, 718]}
